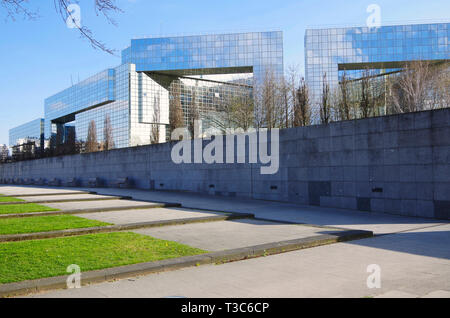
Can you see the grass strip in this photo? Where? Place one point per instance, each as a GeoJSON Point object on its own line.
{"type": "Point", "coordinates": [10, 199]}
{"type": "Point", "coordinates": [29, 260]}
{"type": "Point", "coordinates": [45, 224]}
{"type": "Point", "coordinates": [24, 208]}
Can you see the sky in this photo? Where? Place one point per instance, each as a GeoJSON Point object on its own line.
{"type": "Point", "coordinates": [41, 57]}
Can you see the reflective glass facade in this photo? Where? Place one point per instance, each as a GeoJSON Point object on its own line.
{"type": "Point", "coordinates": [256, 52]}
{"type": "Point", "coordinates": [31, 131]}
{"type": "Point", "coordinates": [134, 97]}
{"type": "Point", "coordinates": [116, 110]}
{"type": "Point", "coordinates": [383, 49]}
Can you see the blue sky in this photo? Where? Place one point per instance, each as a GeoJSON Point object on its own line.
{"type": "Point", "coordinates": [39, 58]}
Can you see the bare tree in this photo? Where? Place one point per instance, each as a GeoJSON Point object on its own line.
{"type": "Point", "coordinates": [194, 113]}
{"type": "Point", "coordinates": [366, 102]}
{"type": "Point", "coordinates": [108, 134]}
{"type": "Point", "coordinates": [344, 99]}
{"type": "Point", "coordinates": [287, 83]}
{"type": "Point", "coordinates": [302, 109]}
{"type": "Point", "coordinates": [440, 94]}
{"type": "Point", "coordinates": [14, 8]}
{"type": "Point", "coordinates": [155, 130]}
{"type": "Point", "coordinates": [270, 109]}
{"type": "Point", "coordinates": [414, 88]}
{"type": "Point", "coordinates": [325, 106]}
{"type": "Point", "coordinates": [176, 117]}
{"type": "Point", "coordinates": [243, 111]}
{"type": "Point", "coordinates": [91, 140]}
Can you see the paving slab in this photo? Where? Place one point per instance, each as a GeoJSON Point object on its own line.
{"type": "Point", "coordinates": [70, 206]}
{"type": "Point", "coordinates": [415, 262]}
{"type": "Point", "coordinates": [148, 215]}
{"type": "Point", "coordinates": [15, 191]}
{"type": "Point", "coordinates": [72, 197]}
{"type": "Point", "coordinates": [225, 235]}
{"type": "Point", "coordinates": [379, 223]}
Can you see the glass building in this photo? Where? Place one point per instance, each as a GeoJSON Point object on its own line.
{"type": "Point", "coordinates": [129, 101]}
{"type": "Point", "coordinates": [32, 131]}
{"type": "Point", "coordinates": [333, 52]}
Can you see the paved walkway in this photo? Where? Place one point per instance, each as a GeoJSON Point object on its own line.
{"type": "Point", "coordinates": [413, 253]}
{"type": "Point", "coordinates": [66, 206]}
{"type": "Point", "coordinates": [413, 264]}
{"type": "Point", "coordinates": [225, 235]}
{"type": "Point", "coordinates": [379, 223]}
{"type": "Point", "coordinates": [147, 215]}
{"type": "Point", "coordinates": [73, 197]}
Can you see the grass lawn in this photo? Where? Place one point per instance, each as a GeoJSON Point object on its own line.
{"type": "Point", "coordinates": [50, 257]}
{"type": "Point", "coordinates": [10, 199]}
{"type": "Point", "coordinates": [24, 208]}
{"type": "Point", "coordinates": [45, 224]}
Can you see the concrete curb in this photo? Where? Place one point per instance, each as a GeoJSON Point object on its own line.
{"type": "Point", "coordinates": [39, 285]}
{"type": "Point", "coordinates": [67, 200]}
{"type": "Point", "coordinates": [94, 210]}
{"type": "Point", "coordinates": [117, 228]}
{"type": "Point", "coordinates": [46, 194]}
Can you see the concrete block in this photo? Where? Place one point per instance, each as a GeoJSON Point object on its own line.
{"type": "Point", "coordinates": [363, 189]}
{"type": "Point", "coordinates": [422, 120]}
{"type": "Point", "coordinates": [390, 139]}
{"type": "Point", "coordinates": [377, 205]}
{"type": "Point", "coordinates": [408, 207]}
{"type": "Point", "coordinates": [424, 173]}
{"type": "Point", "coordinates": [343, 189]}
{"type": "Point", "coordinates": [441, 173]}
{"type": "Point", "coordinates": [298, 189]}
{"type": "Point", "coordinates": [423, 138]}
{"type": "Point", "coordinates": [362, 173]}
{"type": "Point", "coordinates": [362, 158]}
{"type": "Point", "coordinates": [319, 131]}
{"type": "Point", "coordinates": [407, 173]}
{"type": "Point", "coordinates": [441, 155]}
{"type": "Point", "coordinates": [362, 142]}
{"type": "Point", "coordinates": [376, 156]}
{"type": "Point", "coordinates": [390, 123]}
{"type": "Point", "coordinates": [425, 191]}
{"type": "Point", "coordinates": [392, 206]}
{"type": "Point", "coordinates": [317, 190]}
{"type": "Point", "coordinates": [376, 140]}
{"type": "Point", "coordinates": [408, 191]}
{"type": "Point", "coordinates": [440, 118]}
{"type": "Point", "coordinates": [391, 173]}
{"type": "Point", "coordinates": [375, 125]}
{"type": "Point", "coordinates": [336, 174]}
{"type": "Point", "coordinates": [411, 156]}
{"type": "Point", "coordinates": [298, 174]}
{"type": "Point", "coordinates": [376, 173]}
{"type": "Point", "coordinates": [330, 202]}
{"type": "Point", "coordinates": [425, 209]}
{"type": "Point", "coordinates": [406, 121]}
{"type": "Point", "coordinates": [362, 126]}
{"type": "Point", "coordinates": [442, 209]}
{"type": "Point", "coordinates": [363, 204]}
{"type": "Point", "coordinates": [391, 156]}
{"type": "Point", "coordinates": [324, 145]}
{"type": "Point", "coordinates": [348, 203]}
{"type": "Point", "coordinates": [440, 136]}
{"type": "Point", "coordinates": [349, 174]}
{"type": "Point", "coordinates": [407, 139]}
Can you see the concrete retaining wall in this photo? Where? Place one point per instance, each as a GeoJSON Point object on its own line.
{"type": "Point", "coordinates": [394, 164]}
